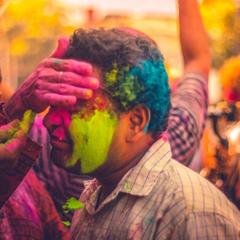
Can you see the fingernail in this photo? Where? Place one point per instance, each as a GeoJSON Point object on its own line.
{"type": "Point", "coordinates": [95, 83]}
{"type": "Point", "coordinates": [89, 93]}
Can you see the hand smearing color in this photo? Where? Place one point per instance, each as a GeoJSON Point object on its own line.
{"type": "Point", "coordinates": [12, 139]}
{"type": "Point", "coordinates": [55, 82]}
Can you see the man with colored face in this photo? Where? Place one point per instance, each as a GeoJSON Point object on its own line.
{"type": "Point", "coordinates": [74, 132]}
{"type": "Point", "coordinates": [118, 137]}
{"type": "Point", "coordinates": [87, 138]}
{"type": "Point", "coordinates": [186, 118]}
{"type": "Point", "coordinates": [97, 126]}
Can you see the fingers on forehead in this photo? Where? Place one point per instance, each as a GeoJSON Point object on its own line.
{"type": "Point", "coordinates": [81, 81]}
{"type": "Point", "coordinates": [57, 100]}
{"type": "Point", "coordinates": [64, 90]}
{"type": "Point", "coordinates": [71, 65]}
{"type": "Point", "coordinates": [52, 76]}
{"type": "Point", "coordinates": [47, 73]}
{"type": "Point", "coordinates": [80, 67]}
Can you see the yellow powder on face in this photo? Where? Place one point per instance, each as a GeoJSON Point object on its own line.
{"type": "Point", "coordinates": [91, 138]}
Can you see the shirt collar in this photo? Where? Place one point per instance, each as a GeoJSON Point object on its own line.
{"type": "Point", "coordinates": [141, 179]}
{"type": "Point", "coordinates": [138, 181]}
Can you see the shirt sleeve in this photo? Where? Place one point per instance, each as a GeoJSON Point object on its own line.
{"type": "Point", "coordinates": [187, 116]}
{"type": "Point", "coordinates": [207, 226]}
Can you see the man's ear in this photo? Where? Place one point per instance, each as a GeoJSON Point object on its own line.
{"type": "Point", "coordinates": [139, 118]}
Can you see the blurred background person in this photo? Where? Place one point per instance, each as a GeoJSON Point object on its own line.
{"type": "Point", "coordinates": [224, 120]}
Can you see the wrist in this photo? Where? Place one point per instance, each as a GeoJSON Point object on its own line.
{"type": "Point", "coordinates": [4, 119]}
{"type": "Point", "coordinates": [14, 108]}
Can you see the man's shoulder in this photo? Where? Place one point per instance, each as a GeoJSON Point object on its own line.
{"type": "Point", "coordinates": [196, 194]}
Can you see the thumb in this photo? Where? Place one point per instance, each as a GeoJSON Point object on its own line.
{"type": "Point", "coordinates": [10, 151]}
{"type": "Point", "coordinates": [61, 48]}
{"type": "Point", "coordinates": [7, 130]}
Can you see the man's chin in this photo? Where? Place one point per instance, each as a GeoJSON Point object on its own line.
{"type": "Point", "coordinates": [61, 158]}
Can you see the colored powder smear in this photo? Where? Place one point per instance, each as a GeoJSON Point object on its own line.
{"type": "Point", "coordinates": [92, 129]}
{"type": "Point", "coordinates": [25, 124]}
{"type": "Point", "coordinates": [91, 138]}
{"type": "Point", "coordinates": [123, 85]}
{"type": "Point", "coordinates": [72, 204]}
{"type": "Point", "coordinates": [27, 121]}
{"type": "Point", "coordinates": [145, 83]}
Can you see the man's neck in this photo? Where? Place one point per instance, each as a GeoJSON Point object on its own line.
{"type": "Point", "coordinates": [110, 181]}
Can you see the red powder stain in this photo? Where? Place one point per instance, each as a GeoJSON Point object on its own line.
{"type": "Point", "coordinates": [101, 103]}
{"type": "Point", "coordinates": [98, 102]}
{"type": "Point", "coordinates": [163, 136]}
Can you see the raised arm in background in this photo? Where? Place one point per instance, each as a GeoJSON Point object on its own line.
{"type": "Point", "coordinates": [190, 100]}
{"type": "Point", "coordinates": [193, 38]}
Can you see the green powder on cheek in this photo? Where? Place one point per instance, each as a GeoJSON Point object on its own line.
{"type": "Point", "coordinates": [91, 138]}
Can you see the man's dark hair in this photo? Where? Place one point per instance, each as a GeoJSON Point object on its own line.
{"type": "Point", "coordinates": [132, 69]}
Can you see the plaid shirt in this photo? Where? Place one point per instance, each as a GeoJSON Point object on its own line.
{"type": "Point", "coordinates": [185, 127]}
{"type": "Point", "coordinates": [187, 117]}
{"type": "Point", "coordinates": [157, 199]}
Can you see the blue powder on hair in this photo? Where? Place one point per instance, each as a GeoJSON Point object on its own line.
{"type": "Point", "coordinates": [146, 83]}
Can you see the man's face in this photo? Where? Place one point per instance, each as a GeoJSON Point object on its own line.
{"type": "Point", "coordinates": [81, 136]}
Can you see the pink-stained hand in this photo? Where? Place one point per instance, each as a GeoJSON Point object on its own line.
{"type": "Point", "coordinates": [12, 140]}
{"type": "Point", "coordinates": [55, 82]}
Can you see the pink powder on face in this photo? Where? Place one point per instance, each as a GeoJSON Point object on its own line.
{"type": "Point", "coordinates": [60, 115]}
{"type": "Point", "coordinates": [62, 118]}
{"type": "Point", "coordinates": [60, 133]}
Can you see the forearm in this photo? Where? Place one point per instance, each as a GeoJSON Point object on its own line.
{"type": "Point", "coordinates": [14, 108]}
{"type": "Point", "coordinates": [193, 38]}
{"type": "Point", "coordinates": [188, 113]}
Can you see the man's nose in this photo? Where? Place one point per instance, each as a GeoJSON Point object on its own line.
{"type": "Point", "coordinates": [57, 117]}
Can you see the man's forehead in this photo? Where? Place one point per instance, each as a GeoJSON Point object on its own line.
{"type": "Point", "coordinates": [101, 97]}
{"type": "Point", "coordinates": [99, 101]}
